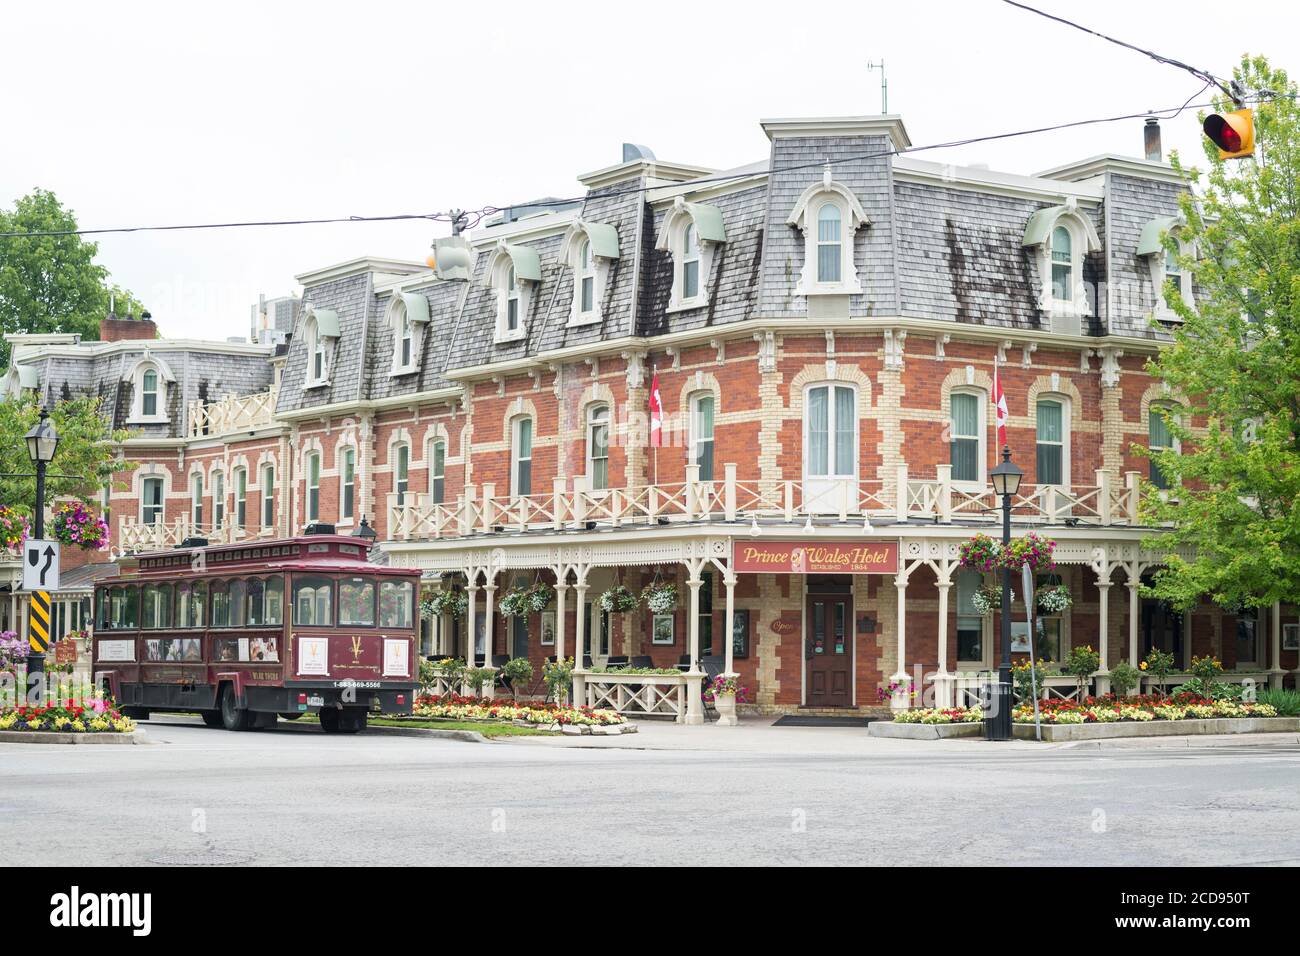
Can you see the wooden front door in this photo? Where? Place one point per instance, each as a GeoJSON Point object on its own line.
{"type": "Point", "coordinates": [828, 651]}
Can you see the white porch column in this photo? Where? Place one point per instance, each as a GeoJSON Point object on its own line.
{"type": "Point", "coordinates": [729, 654]}
{"type": "Point", "coordinates": [489, 592]}
{"type": "Point", "coordinates": [561, 589]}
{"type": "Point", "coordinates": [471, 594]}
{"type": "Point", "coordinates": [1133, 620]}
{"type": "Point", "coordinates": [694, 703]}
{"type": "Point", "coordinates": [1275, 647]}
{"type": "Point", "coordinates": [900, 582]}
{"type": "Point", "coordinates": [943, 687]}
{"type": "Point", "coordinates": [580, 641]}
{"type": "Point", "coordinates": [1103, 624]}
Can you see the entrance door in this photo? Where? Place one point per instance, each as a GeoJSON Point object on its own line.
{"type": "Point", "coordinates": [827, 651]}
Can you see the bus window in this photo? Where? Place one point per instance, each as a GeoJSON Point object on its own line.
{"type": "Point", "coordinates": [191, 604]}
{"type": "Point", "coordinates": [311, 601]}
{"type": "Point", "coordinates": [238, 603]}
{"type": "Point", "coordinates": [123, 608]}
{"type": "Point", "coordinates": [157, 606]}
{"type": "Point", "coordinates": [101, 619]}
{"type": "Point", "coordinates": [274, 601]}
{"type": "Point", "coordinates": [357, 601]}
{"type": "Point", "coordinates": [256, 602]}
{"type": "Point", "coordinates": [220, 604]}
{"type": "Point", "coordinates": [395, 604]}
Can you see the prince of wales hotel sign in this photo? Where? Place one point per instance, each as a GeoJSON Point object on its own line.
{"type": "Point", "coordinates": [815, 557]}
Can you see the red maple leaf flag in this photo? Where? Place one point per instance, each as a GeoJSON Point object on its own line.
{"type": "Point", "coordinates": [999, 406]}
{"type": "Point", "coordinates": [656, 414]}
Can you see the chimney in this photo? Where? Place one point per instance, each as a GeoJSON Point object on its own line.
{"type": "Point", "coordinates": [1151, 139]}
{"type": "Point", "coordinates": [113, 329]}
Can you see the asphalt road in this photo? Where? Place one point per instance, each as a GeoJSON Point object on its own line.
{"type": "Point", "coordinates": [294, 796]}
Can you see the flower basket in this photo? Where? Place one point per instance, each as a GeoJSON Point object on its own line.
{"type": "Point", "coordinates": [1055, 600]}
{"type": "Point", "coordinates": [514, 603]}
{"type": "Point", "coordinates": [989, 599]}
{"type": "Point", "coordinates": [454, 603]}
{"type": "Point", "coordinates": [1032, 550]}
{"type": "Point", "coordinates": [539, 597]}
{"type": "Point", "coordinates": [77, 526]}
{"type": "Point", "coordinates": [14, 529]}
{"type": "Point", "coordinates": [980, 553]}
{"type": "Point", "coordinates": [618, 600]}
{"type": "Point", "coordinates": [660, 598]}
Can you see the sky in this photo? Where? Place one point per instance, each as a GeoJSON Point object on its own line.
{"type": "Point", "coordinates": [150, 114]}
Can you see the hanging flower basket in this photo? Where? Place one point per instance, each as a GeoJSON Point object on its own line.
{"type": "Point", "coordinates": [454, 603]}
{"type": "Point", "coordinates": [660, 598]}
{"type": "Point", "coordinates": [77, 526]}
{"type": "Point", "coordinates": [1032, 550]}
{"type": "Point", "coordinates": [980, 553]}
{"type": "Point", "coordinates": [1055, 600]}
{"type": "Point", "coordinates": [989, 599]}
{"type": "Point", "coordinates": [514, 602]}
{"type": "Point", "coordinates": [530, 600]}
{"type": "Point", "coordinates": [618, 600]}
{"type": "Point", "coordinates": [14, 529]}
{"type": "Point", "coordinates": [540, 596]}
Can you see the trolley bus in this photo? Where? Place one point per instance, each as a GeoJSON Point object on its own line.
{"type": "Point", "coordinates": [247, 632]}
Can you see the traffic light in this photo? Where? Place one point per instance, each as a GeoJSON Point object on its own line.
{"type": "Point", "coordinates": [1233, 133]}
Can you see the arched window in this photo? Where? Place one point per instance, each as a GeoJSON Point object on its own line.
{"type": "Point", "coordinates": [966, 437]}
{"type": "Point", "coordinates": [149, 379]}
{"type": "Point", "coordinates": [218, 499]}
{"type": "Point", "coordinates": [829, 243]}
{"type": "Point", "coordinates": [151, 500]}
{"type": "Point", "coordinates": [701, 451]}
{"type": "Point", "coordinates": [313, 601]}
{"type": "Point", "coordinates": [512, 301]}
{"type": "Point", "coordinates": [586, 275]}
{"type": "Point", "coordinates": [690, 263]}
{"type": "Point", "coordinates": [196, 499]}
{"type": "Point", "coordinates": [1063, 280]}
{"type": "Point", "coordinates": [268, 496]}
{"type": "Point", "coordinates": [437, 469]}
{"type": "Point", "coordinates": [241, 497]}
{"type": "Point", "coordinates": [149, 393]}
{"type": "Point", "coordinates": [347, 483]}
{"type": "Point", "coordinates": [357, 602]}
{"type": "Point", "coordinates": [313, 487]}
{"type": "Point", "coordinates": [191, 604]}
{"type": "Point", "coordinates": [521, 456]}
{"type": "Point", "coordinates": [830, 445]}
{"type": "Point", "coordinates": [401, 471]}
{"type": "Point", "coordinates": [404, 341]}
{"type": "Point", "coordinates": [157, 606]}
{"type": "Point", "coordinates": [1159, 438]}
{"type": "Point", "coordinates": [1053, 441]}
{"type": "Point", "coordinates": [598, 447]}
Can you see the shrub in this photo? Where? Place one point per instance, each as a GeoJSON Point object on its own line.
{"type": "Point", "coordinates": [1026, 676]}
{"type": "Point", "coordinates": [1081, 665]}
{"type": "Point", "coordinates": [1207, 668]}
{"type": "Point", "coordinates": [1285, 702]}
{"type": "Point", "coordinates": [1158, 664]}
{"type": "Point", "coordinates": [558, 677]}
{"type": "Point", "coordinates": [1124, 677]}
{"type": "Point", "coordinates": [517, 671]}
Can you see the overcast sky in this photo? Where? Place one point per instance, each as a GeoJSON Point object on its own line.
{"type": "Point", "coordinates": [142, 114]}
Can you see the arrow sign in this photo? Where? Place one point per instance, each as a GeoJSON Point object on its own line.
{"type": "Point", "coordinates": [40, 565]}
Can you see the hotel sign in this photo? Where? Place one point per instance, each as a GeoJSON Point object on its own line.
{"type": "Point", "coordinates": [815, 557]}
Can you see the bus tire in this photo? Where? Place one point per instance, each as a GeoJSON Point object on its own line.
{"type": "Point", "coordinates": [232, 718]}
{"type": "Point", "coordinates": [211, 718]}
{"type": "Point", "coordinates": [291, 715]}
{"type": "Point", "coordinates": [329, 720]}
{"type": "Point", "coordinates": [352, 720]}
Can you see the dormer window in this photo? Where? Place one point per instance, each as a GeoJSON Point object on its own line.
{"type": "Point", "coordinates": [149, 393]}
{"type": "Point", "coordinates": [321, 330]}
{"type": "Point", "coordinates": [408, 317]}
{"type": "Point", "coordinates": [828, 214]}
{"type": "Point", "coordinates": [589, 249]}
{"type": "Point", "coordinates": [1165, 264]}
{"type": "Point", "coordinates": [691, 233]}
{"type": "Point", "coordinates": [1060, 237]}
{"type": "Point", "coordinates": [150, 379]}
{"type": "Point", "coordinates": [512, 273]}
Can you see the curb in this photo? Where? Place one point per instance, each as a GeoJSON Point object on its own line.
{"type": "Point", "coordinates": [1265, 738]}
{"type": "Point", "coordinates": [465, 736]}
{"type": "Point", "coordinates": [138, 736]}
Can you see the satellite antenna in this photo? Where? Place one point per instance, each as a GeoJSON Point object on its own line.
{"type": "Point", "coordinates": [884, 84]}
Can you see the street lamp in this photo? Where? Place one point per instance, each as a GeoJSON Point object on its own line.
{"type": "Point", "coordinates": [1006, 482]}
{"type": "Point", "coordinates": [42, 441]}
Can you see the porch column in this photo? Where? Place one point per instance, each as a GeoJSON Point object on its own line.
{"type": "Point", "coordinates": [694, 703]}
{"type": "Point", "coordinates": [1275, 647]}
{"type": "Point", "coordinates": [1103, 624]}
{"type": "Point", "coordinates": [471, 593]}
{"type": "Point", "coordinates": [579, 641]}
{"type": "Point", "coordinates": [900, 582]}
{"type": "Point", "coordinates": [489, 592]}
{"type": "Point", "coordinates": [561, 589]}
{"type": "Point", "coordinates": [1133, 620]}
{"type": "Point", "coordinates": [730, 665]}
{"type": "Point", "coordinates": [943, 685]}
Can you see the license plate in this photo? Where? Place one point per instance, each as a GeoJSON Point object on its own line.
{"type": "Point", "coordinates": [315, 701]}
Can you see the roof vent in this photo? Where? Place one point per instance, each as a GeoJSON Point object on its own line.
{"type": "Point", "coordinates": [318, 527]}
{"type": "Point", "coordinates": [635, 151]}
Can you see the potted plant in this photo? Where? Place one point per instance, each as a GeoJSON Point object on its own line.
{"type": "Point", "coordinates": [618, 600]}
{"type": "Point", "coordinates": [1081, 665]}
{"type": "Point", "coordinates": [1055, 600]}
{"type": "Point", "coordinates": [514, 602]}
{"type": "Point", "coordinates": [988, 599]}
{"type": "Point", "coordinates": [13, 528]}
{"type": "Point", "coordinates": [1158, 664]}
{"type": "Point", "coordinates": [454, 603]}
{"type": "Point", "coordinates": [726, 691]}
{"type": "Point", "coordinates": [1123, 678]}
{"type": "Point", "coordinates": [980, 553]}
{"type": "Point", "coordinates": [558, 677]}
{"type": "Point", "coordinates": [899, 694]}
{"type": "Point", "coordinates": [539, 597]}
{"type": "Point", "coordinates": [517, 671]}
{"type": "Point", "coordinates": [660, 598]}
{"type": "Point", "coordinates": [77, 526]}
{"type": "Point", "coordinates": [1030, 549]}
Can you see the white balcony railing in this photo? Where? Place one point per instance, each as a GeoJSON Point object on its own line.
{"type": "Point", "coordinates": [234, 413]}
{"type": "Point", "coordinates": [572, 505]}
{"type": "Point", "coordinates": [134, 535]}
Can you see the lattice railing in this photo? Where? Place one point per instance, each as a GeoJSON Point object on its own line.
{"type": "Point", "coordinates": [233, 413]}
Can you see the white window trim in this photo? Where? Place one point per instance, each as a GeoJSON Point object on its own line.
{"type": "Point", "coordinates": [268, 494]}
{"type": "Point", "coordinates": [673, 239]}
{"type": "Point", "coordinates": [599, 271]}
{"type": "Point", "coordinates": [986, 632]}
{"type": "Point", "coordinates": [162, 504]}
{"type": "Point", "coordinates": [235, 496]}
{"type": "Point", "coordinates": [399, 316]}
{"type": "Point", "coordinates": [981, 428]}
{"type": "Point", "coordinates": [217, 482]}
{"type": "Point", "coordinates": [1157, 266]}
{"type": "Point", "coordinates": [515, 424]}
{"type": "Point", "coordinates": [165, 381]}
{"type": "Point", "coordinates": [196, 501]}
{"type": "Point", "coordinates": [325, 345]}
{"type": "Point", "coordinates": [831, 429]}
{"type": "Point", "coordinates": [307, 485]}
{"type": "Point", "coordinates": [432, 459]}
{"type": "Point", "coordinates": [589, 424]}
{"type": "Point", "coordinates": [804, 218]}
{"type": "Point", "coordinates": [524, 292]}
{"type": "Point", "coordinates": [1067, 436]}
{"type": "Point", "coordinates": [693, 406]}
{"type": "Point", "coordinates": [345, 519]}
{"type": "Point", "coordinates": [1083, 240]}
{"type": "Point", "coordinates": [394, 451]}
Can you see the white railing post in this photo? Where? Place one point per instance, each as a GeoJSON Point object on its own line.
{"type": "Point", "coordinates": [692, 491]}
{"type": "Point", "coordinates": [945, 494]}
{"type": "Point", "coordinates": [1131, 481]}
{"type": "Point", "coordinates": [1103, 495]}
{"type": "Point", "coordinates": [467, 502]}
{"type": "Point", "coordinates": [729, 491]}
{"type": "Point", "coordinates": [579, 499]}
{"type": "Point", "coordinates": [900, 493]}
{"type": "Point", "coordinates": [789, 502]}
{"type": "Point", "coordinates": [557, 503]}
{"type": "Point", "coordinates": [489, 492]}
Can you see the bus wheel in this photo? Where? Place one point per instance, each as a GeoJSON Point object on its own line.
{"type": "Point", "coordinates": [211, 718]}
{"type": "Point", "coordinates": [352, 720]}
{"type": "Point", "coordinates": [291, 715]}
{"type": "Point", "coordinates": [232, 718]}
{"type": "Point", "coordinates": [329, 720]}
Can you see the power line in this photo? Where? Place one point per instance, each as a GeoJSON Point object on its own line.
{"type": "Point", "coordinates": [472, 217]}
{"type": "Point", "coordinates": [1233, 91]}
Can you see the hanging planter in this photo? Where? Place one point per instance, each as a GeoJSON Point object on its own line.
{"type": "Point", "coordinates": [13, 528]}
{"type": "Point", "coordinates": [530, 600]}
{"type": "Point", "coordinates": [660, 598]}
{"type": "Point", "coordinates": [454, 603]}
{"type": "Point", "coordinates": [618, 600]}
{"type": "Point", "coordinates": [980, 553]}
{"type": "Point", "coordinates": [989, 599]}
{"type": "Point", "coordinates": [514, 602]}
{"type": "Point", "coordinates": [77, 526]}
{"type": "Point", "coordinates": [539, 597]}
{"type": "Point", "coordinates": [1031, 550]}
{"type": "Point", "coordinates": [1055, 600]}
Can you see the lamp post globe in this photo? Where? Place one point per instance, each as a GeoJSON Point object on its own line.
{"type": "Point", "coordinates": [42, 440]}
{"type": "Point", "coordinates": [1005, 478]}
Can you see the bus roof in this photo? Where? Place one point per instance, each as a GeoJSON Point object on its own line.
{"type": "Point", "coordinates": [331, 553]}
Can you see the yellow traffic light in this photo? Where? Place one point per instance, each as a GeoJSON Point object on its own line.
{"type": "Point", "coordinates": [1233, 133]}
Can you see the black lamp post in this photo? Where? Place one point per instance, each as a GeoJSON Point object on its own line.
{"type": "Point", "coordinates": [1006, 482]}
{"type": "Point", "coordinates": [42, 441]}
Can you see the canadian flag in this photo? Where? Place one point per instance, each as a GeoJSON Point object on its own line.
{"type": "Point", "coordinates": [999, 406]}
{"type": "Point", "coordinates": [656, 414]}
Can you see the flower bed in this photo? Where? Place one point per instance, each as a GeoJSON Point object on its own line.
{"type": "Point", "coordinates": [939, 715]}
{"type": "Point", "coordinates": [98, 718]}
{"type": "Point", "coordinates": [1111, 709]}
{"type": "Point", "coordinates": [456, 707]}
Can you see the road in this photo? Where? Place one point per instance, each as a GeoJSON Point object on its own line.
{"type": "Point", "coordinates": [799, 796]}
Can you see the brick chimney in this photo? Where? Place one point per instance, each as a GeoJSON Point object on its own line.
{"type": "Point", "coordinates": [113, 329]}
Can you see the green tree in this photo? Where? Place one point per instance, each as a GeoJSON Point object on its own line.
{"type": "Point", "coordinates": [86, 449]}
{"type": "Point", "coordinates": [1234, 371]}
{"type": "Point", "coordinates": [51, 283]}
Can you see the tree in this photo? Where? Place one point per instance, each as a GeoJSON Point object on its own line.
{"type": "Point", "coordinates": [86, 448]}
{"type": "Point", "coordinates": [1234, 369]}
{"type": "Point", "coordinates": [51, 283]}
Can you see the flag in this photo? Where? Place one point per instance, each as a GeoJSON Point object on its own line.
{"type": "Point", "coordinates": [656, 414]}
{"type": "Point", "coordinates": [999, 406]}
